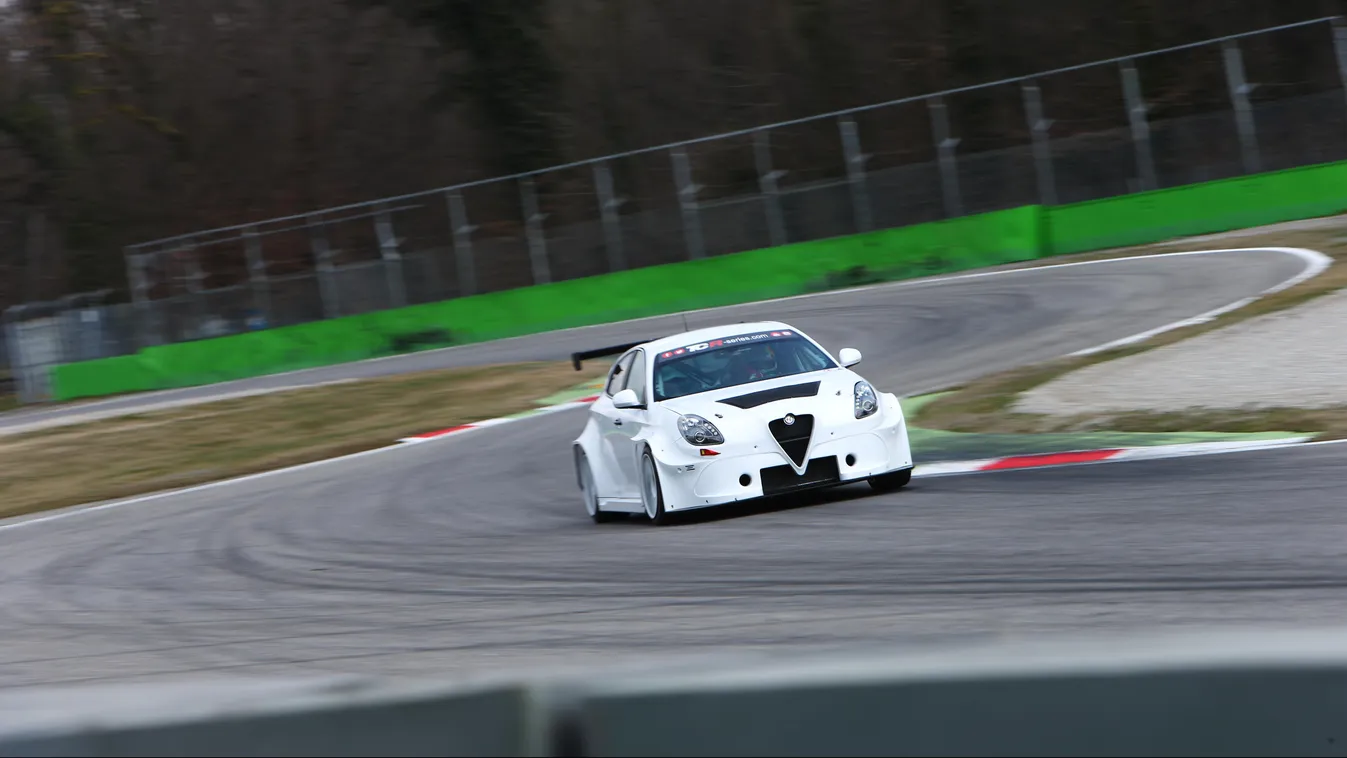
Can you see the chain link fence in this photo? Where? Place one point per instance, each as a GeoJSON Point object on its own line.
{"type": "Point", "coordinates": [881, 166]}
{"type": "Point", "coordinates": [40, 335]}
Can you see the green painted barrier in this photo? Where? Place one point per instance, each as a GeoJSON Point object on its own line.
{"type": "Point", "coordinates": [111, 376]}
{"type": "Point", "coordinates": [953, 245]}
{"type": "Point", "coordinates": [1207, 208]}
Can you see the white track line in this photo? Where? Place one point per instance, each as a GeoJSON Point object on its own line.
{"type": "Point", "coordinates": [1316, 262]}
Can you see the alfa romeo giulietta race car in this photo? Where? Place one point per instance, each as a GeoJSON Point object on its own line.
{"type": "Point", "coordinates": [733, 413]}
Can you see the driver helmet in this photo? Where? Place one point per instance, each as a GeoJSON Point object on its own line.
{"type": "Point", "coordinates": [761, 361]}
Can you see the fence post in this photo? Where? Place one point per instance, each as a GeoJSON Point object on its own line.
{"type": "Point", "coordinates": [328, 291]}
{"type": "Point", "coordinates": [433, 288]}
{"type": "Point", "coordinates": [257, 274]}
{"type": "Point", "coordinates": [388, 250]}
{"type": "Point", "coordinates": [533, 226]}
{"type": "Point", "coordinates": [458, 219]}
{"type": "Point", "coordinates": [608, 205]}
{"type": "Point", "coordinates": [687, 198]}
{"type": "Point", "coordinates": [134, 277]}
{"type": "Point", "coordinates": [67, 310]}
{"type": "Point", "coordinates": [1340, 46]}
{"type": "Point", "coordinates": [1141, 130]}
{"type": "Point", "coordinates": [140, 306]}
{"type": "Point", "coordinates": [1239, 96]}
{"type": "Point", "coordinates": [767, 187]}
{"type": "Point", "coordinates": [9, 319]}
{"type": "Point", "coordinates": [945, 146]}
{"type": "Point", "coordinates": [860, 196]}
{"type": "Point", "coordinates": [97, 313]}
{"type": "Point", "coordinates": [195, 277]}
{"type": "Point", "coordinates": [1039, 128]}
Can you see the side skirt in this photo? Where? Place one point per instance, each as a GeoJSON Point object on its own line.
{"type": "Point", "coordinates": [621, 505]}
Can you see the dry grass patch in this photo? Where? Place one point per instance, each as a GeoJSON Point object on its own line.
{"type": "Point", "coordinates": [1326, 423]}
{"type": "Point", "coordinates": [171, 448]}
{"type": "Point", "coordinates": [984, 404]}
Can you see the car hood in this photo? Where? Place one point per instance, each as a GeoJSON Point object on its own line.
{"type": "Point", "coordinates": [759, 402]}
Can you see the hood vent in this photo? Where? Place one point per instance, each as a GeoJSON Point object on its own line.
{"type": "Point", "coordinates": [794, 437]}
{"type": "Point", "coordinates": [754, 399]}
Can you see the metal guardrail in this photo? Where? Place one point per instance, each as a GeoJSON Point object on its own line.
{"type": "Point", "coordinates": [1255, 693]}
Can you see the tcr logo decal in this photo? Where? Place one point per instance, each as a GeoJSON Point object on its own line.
{"type": "Point", "coordinates": [723, 342]}
{"type": "Point", "coordinates": [694, 348]}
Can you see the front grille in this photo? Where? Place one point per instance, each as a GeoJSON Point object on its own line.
{"type": "Point", "coordinates": [779, 480]}
{"type": "Point", "coordinates": [793, 438]}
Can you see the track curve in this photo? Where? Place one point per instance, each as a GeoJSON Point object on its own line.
{"type": "Point", "coordinates": [474, 553]}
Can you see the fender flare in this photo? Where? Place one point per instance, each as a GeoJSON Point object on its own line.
{"type": "Point", "coordinates": [578, 453]}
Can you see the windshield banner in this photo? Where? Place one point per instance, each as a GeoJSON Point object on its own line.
{"type": "Point", "coordinates": [725, 342]}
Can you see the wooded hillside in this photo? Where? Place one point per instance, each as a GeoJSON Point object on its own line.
{"type": "Point", "coordinates": [127, 120]}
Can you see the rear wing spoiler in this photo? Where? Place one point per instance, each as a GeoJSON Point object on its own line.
{"type": "Point", "coordinates": [600, 352]}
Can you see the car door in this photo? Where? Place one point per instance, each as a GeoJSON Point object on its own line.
{"type": "Point", "coordinates": [615, 479]}
{"type": "Point", "coordinates": [630, 422]}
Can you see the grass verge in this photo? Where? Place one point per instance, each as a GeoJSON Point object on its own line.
{"type": "Point", "coordinates": [159, 450]}
{"type": "Point", "coordinates": [985, 405]}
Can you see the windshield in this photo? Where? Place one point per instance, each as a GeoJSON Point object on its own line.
{"type": "Point", "coordinates": [736, 360]}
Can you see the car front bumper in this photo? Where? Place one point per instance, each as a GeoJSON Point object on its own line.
{"type": "Point", "coordinates": [690, 480]}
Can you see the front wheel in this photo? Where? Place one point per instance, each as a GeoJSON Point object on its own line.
{"type": "Point", "coordinates": [891, 482]}
{"type": "Point", "coordinates": [652, 494]}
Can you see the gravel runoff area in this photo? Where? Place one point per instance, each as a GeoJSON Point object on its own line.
{"type": "Point", "coordinates": [1295, 358]}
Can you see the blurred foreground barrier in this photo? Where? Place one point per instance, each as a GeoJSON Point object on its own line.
{"type": "Point", "coordinates": [1255, 694]}
{"type": "Point", "coordinates": [347, 717]}
{"type": "Point", "coordinates": [1234, 697]}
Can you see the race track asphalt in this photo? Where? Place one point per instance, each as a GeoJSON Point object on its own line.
{"type": "Point", "coordinates": [473, 553]}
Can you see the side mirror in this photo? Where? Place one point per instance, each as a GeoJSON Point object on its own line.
{"type": "Point", "coordinates": [626, 399]}
{"type": "Point", "coordinates": [849, 357]}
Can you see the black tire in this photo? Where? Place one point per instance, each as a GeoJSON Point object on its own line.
{"type": "Point", "coordinates": [586, 478]}
{"type": "Point", "coordinates": [648, 468]}
{"type": "Point", "coordinates": [890, 482]}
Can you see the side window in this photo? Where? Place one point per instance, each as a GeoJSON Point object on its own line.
{"type": "Point", "coordinates": [617, 379]}
{"type": "Point", "coordinates": [636, 376]}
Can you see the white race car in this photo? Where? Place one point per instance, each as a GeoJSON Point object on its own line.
{"type": "Point", "coordinates": [733, 413]}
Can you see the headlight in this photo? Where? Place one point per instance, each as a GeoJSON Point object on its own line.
{"type": "Point", "coordinates": [866, 400]}
{"type": "Point", "coordinates": [698, 431]}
